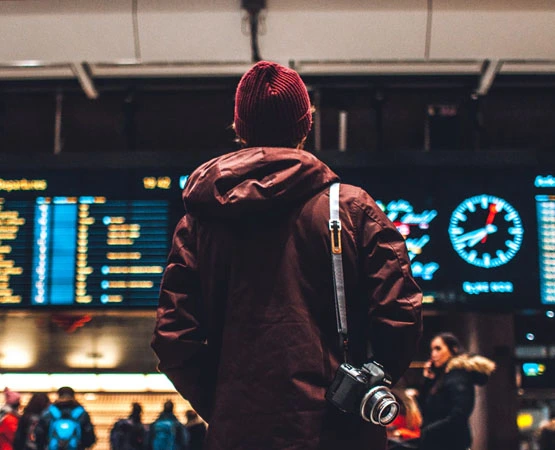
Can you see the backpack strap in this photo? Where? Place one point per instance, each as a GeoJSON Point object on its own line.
{"type": "Point", "coordinates": [55, 411]}
{"type": "Point", "coordinates": [76, 412]}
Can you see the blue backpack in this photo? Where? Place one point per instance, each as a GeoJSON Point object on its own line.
{"type": "Point", "coordinates": [64, 432]}
{"type": "Point", "coordinates": [163, 435]}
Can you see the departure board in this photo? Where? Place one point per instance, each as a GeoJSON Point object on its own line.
{"type": "Point", "coordinates": [477, 238]}
{"type": "Point", "coordinates": [107, 247]}
{"type": "Point", "coordinates": [546, 237]}
{"type": "Point", "coordinates": [545, 206]}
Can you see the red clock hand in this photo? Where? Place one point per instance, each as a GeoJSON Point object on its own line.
{"type": "Point", "coordinates": [489, 220]}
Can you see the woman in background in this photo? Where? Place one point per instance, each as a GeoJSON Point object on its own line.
{"type": "Point", "coordinates": [447, 397]}
{"type": "Point", "coordinates": [9, 419]}
{"type": "Point", "coordinates": [25, 434]}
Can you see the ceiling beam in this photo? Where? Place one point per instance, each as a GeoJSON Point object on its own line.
{"type": "Point", "coordinates": [491, 69]}
{"type": "Point", "coordinates": [85, 80]}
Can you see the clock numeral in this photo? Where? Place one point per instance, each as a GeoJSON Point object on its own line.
{"type": "Point", "coordinates": [455, 231]}
{"type": "Point", "coordinates": [487, 259]}
{"type": "Point", "coordinates": [470, 206]}
{"type": "Point", "coordinates": [499, 205]}
{"type": "Point", "coordinates": [511, 216]}
{"type": "Point", "coordinates": [502, 257]}
{"type": "Point", "coordinates": [516, 231]}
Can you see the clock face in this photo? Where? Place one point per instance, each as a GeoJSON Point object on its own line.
{"type": "Point", "coordinates": [486, 231]}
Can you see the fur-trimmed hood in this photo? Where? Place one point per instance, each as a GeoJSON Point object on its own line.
{"type": "Point", "coordinates": [479, 366]}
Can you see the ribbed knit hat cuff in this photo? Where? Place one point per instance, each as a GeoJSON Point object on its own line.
{"type": "Point", "coordinates": [254, 135]}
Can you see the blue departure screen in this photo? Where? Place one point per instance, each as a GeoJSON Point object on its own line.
{"type": "Point", "coordinates": [105, 248]}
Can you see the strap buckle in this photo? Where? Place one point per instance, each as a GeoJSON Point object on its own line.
{"type": "Point", "coordinates": [335, 235]}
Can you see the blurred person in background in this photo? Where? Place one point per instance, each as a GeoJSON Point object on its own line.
{"type": "Point", "coordinates": [246, 322]}
{"type": "Point", "coordinates": [65, 424]}
{"type": "Point", "coordinates": [167, 432]}
{"type": "Point", "coordinates": [129, 433]}
{"type": "Point", "coordinates": [9, 418]}
{"type": "Point", "coordinates": [447, 396]}
{"type": "Point", "coordinates": [404, 431]}
{"type": "Point", "coordinates": [25, 436]}
{"type": "Point", "coordinates": [196, 428]}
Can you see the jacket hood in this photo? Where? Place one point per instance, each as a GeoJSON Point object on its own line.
{"type": "Point", "coordinates": [478, 366]}
{"type": "Point", "coordinates": [255, 180]}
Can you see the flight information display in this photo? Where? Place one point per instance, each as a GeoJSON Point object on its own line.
{"type": "Point", "coordinates": [107, 246]}
{"type": "Point", "coordinates": [477, 238]}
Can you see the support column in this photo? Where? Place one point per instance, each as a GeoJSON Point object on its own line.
{"type": "Point", "coordinates": [493, 421]}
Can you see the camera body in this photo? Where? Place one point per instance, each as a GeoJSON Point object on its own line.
{"type": "Point", "coordinates": [364, 390]}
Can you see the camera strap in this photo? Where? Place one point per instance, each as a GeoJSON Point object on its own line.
{"type": "Point", "coordinates": [337, 266]}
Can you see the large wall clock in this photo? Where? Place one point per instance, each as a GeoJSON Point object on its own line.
{"type": "Point", "coordinates": [486, 231]}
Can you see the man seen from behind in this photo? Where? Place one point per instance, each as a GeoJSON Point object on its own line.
{"type": "Point", "coordinates": [246, 324]}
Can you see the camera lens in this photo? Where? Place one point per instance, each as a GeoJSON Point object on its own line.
{"type": "Point", "coordinates": [379, 406]}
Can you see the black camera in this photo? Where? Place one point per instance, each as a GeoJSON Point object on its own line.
{"type": "Point", "coordinates": [366, 391]}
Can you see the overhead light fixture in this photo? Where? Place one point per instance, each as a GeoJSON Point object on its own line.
{"type": "Point", "coordinates": [87, 382]}
{"type": "Point", "coordinates": [16, 356]}
{"type": "Point", "coordinates": [109, 359]}
{"type": "Point", "coordinates": [127, 69]}
{"type": "Point", "coordinates": [82, 382]}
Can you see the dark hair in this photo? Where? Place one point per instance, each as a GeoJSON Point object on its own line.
{"type": "Point", "coordinates": [37, 404]}
{"type": "Point", "coordinates": [452, 342]}
{"type": "Point", "coordinates": [168, 406]}
{"type": "Point", "coordinates": [66, 391]}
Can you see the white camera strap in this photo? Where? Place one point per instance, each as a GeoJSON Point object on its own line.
{"type": "Point", "coordinates": [337, 265]}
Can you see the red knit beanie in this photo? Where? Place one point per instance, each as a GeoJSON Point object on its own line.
{"type": "Point", "coordinates": [272, 106]}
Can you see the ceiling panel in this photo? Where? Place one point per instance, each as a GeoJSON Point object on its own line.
{"type": "Point", "coordinates": [183, 34]}
{"type": "Point", "coordinates": [328, 34]}
{"type": "Point", "coordinates": [66, 30]}
{"type": "Point", "coordinates": [493, 29]}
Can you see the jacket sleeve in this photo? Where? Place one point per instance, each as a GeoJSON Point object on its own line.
{"type": "Point", "coordinates": [460, 402]}
{"type": "Point", "coordinates": [395, 300]}
{"type": "Point", "coordinates": [8, 427]}
{"type": "Point", "coordinates": [20, 433]}
{"type": "Point", "coordinates": [88, 436]}
{"type": "Point", "coordinates": [179, 340]}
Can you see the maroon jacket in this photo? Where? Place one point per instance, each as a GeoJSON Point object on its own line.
{"type": "Point", "coordinates": [246, 326]}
